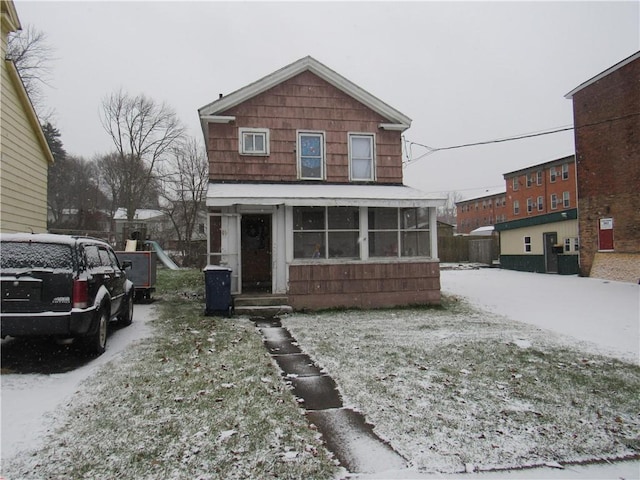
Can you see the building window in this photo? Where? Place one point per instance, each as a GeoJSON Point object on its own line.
{"type": "Point", "coordinates": [529, 205]}
{"type": "Point", "coordinates": [565, 171]}
{"type": "Point", "coordinates": [326, 232]}
{"type": "Point", "coordinates": [515, 183]}
{"type": "Point", "coordinates": [539, 175]}
{"type": "Point", "coordinates": [311, 157]}
{"type": "Point", "coordinates": [554, 201]}
{"type": "Point", "coordinates": [552, 174]}
{"type": "Point", "coordinates": [566, 200]}
{"type": "Point", "coordinates": [361, 157]}
{"type": "Point", "coordinates": [540, 203]}
{"type": "Point", "coordinates": [253, 141]}
{"type": "Point", "coordinates": [527, 244]}
{"type": "Point", "coordinates": [516, 207]}
{"type": "Point", "coordinates": [529, 179]}
{"type": "Point", "coordinates": [571, 244]}
{"type": "Point", "coordinates": [407, 228]}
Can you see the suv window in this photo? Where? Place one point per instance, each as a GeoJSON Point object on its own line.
{"type": "Point", "coordinates": [93, 256]}
{"type": "Point", "coordinates": [36, 255]}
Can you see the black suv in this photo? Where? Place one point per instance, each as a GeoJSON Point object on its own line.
{"type": "Point", "coordinates": [62, 286]}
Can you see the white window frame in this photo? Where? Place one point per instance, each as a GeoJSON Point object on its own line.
{"type": "Point", "coordinates": [554, 201]}
{"type": "Point", "coordinates": [552, 174]}
{"type": "Point", "coordinates": [540, 203]}
{"type": "Point", "coordinates": [566, 199]}
{"type": "Point", "coordinates": [516, 207]}
{"type": "Point", "coordinates": [244, 131]}
{"type": "Point", "coordinates": [515, 183]}
{"type": "Point", "coordinates": [539, 175]}
{"type": "Point", "coordinates": [529, 205]}
{"type": "Point", "coordinates": [565, 171]}
{"type": "Point", "coordinates": [372, 139]}
{"type": "Point", "coordinates": [323, 155]}
{"type": "Point", "coordinates": [527, 244]}
{"type": "Point", "coordinates": [529, 179]}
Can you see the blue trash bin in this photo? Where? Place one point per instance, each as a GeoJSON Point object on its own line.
{"type": "Point", "coordinates": [218, 290]}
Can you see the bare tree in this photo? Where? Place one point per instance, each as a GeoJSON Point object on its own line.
{"type": "Point", "coordinates": [32, 56]}
{"type": "Point", "coordinates": [448, 213]}
{"type": "Point", "coordinates": [143, 132]}
{"type": "Point", "coordinates": [185, 189]}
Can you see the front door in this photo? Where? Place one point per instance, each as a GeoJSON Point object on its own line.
{"type": "Point", "coordinates": [256, 253]}
{"type": "Point", "coordinates": [550, 254]}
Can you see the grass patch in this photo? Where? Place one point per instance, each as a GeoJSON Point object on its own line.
{"type": "Point", "coordinates": [201, 399]}
{"type": "Point", "coordinates": [453, 386]}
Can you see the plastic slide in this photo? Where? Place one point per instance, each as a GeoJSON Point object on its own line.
{"type": "Point", "coordinates": [162, 256]}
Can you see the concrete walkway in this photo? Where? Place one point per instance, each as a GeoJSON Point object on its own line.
{"type": "Point", "coordinates": [346, 433]}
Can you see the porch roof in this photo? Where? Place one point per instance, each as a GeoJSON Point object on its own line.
{"type": "Point", "coordinates": [305, 195]}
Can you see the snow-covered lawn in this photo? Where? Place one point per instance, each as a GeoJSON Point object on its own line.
{"type": "Point", "coordinates": [459, 389]}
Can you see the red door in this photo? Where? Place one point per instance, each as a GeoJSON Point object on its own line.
{"type": "Point", "coordinates": [605, 234]}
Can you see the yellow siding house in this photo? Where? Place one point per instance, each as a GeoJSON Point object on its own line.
{"type": "Point", "coordinates": [24, 153]}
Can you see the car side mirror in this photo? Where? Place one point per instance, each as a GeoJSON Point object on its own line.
{"type": "Point", "coordinates": [126, 264]}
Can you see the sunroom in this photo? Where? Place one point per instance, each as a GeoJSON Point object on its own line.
{"type": "Point", "coordinates": [327, 246]}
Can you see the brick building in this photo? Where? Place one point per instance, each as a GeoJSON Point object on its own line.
{"type": "Point", "coordinates": [607, 141]}
{"type": "Point", "coordinates": [483, 211]}
{"type": "Point", "coordinates": [540, 233]}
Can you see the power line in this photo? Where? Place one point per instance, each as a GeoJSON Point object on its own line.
{"type": "Point", "coordinates": [431, 150]}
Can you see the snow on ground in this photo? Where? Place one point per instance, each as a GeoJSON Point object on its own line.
{"type": "Point", "coordinates": [601, 312]}
{"type": "Point", "coordinates": [30, 402]}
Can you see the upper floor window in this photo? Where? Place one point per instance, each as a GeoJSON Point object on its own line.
{"type": "Point", "coordinates": [566, 200]}
{"type": "Point", "coordinates": [554, 201]}
{"type": "Point", "coordinates": [529, 179]}
{"type": "Point", "coordinates": [529, 205]}
{"type": "Point", "coordinates": [253, 141]}
{"type": "Point", "coordinates": [515, 183]}
{"type": "Point", "coordinates": [552, 174]}
{"type": "Point", "coordinates": [565, 171]}
{"type": "Point", "coordinates": [516, 207]}
{"type": "Point", "coordinates": [540, 203]}
{"type": "Point", "coordinates": [539, 175]}
{"type": "Point", "coordinates": [361, 157]}
{"type": "Point", "coordinates": [311, 155]}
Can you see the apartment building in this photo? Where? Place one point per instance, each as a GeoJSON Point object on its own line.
{"type": "Point", "coordinates": [481, 211]}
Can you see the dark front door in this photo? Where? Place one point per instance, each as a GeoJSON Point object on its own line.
{"type": "Point", "coordinates": [256, 253]}
{"type": "Point", "coordinates": [550, 254]}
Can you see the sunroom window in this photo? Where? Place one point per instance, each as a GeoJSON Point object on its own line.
{"type": "Point", "coordinates": [399, 232]}
{"type": "Point", "coordinates": [326, 232]}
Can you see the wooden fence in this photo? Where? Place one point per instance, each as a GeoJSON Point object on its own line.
{"type": "Point", "coordinates": [468, 249]}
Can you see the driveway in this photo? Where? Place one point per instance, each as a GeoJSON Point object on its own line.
{"type": "Point", "coordinates": [603, 313]}
{"type": "Point", "coordinates": [38, 377]}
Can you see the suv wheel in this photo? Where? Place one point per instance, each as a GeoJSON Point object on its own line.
{"type": "Point", "coordinates": [97, 342]}
{"type": "Point", "coordinates": [126, 311]}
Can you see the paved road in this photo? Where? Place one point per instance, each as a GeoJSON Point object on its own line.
{"type": "Point", "coordinates": [39, 376]}
{"type": "Point", "coordinates": [604, 313]}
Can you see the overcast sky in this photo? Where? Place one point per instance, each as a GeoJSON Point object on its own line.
{"type": "Point", "coordinates": [464, 72]}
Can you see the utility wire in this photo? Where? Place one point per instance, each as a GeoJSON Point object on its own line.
{"type": "Point", "coordinates": [430, 150]}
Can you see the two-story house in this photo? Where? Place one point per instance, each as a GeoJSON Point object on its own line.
{"type": "Point", "coordinates": [540, 233]}
{"type": "Point", "coordinates": [607, 140]}
{"type": "Point", "coordinates": [25, 153]}
{"type": "Point", "coordinates": [306, 196]}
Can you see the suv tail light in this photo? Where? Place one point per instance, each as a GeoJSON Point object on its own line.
{"type": "Point", "coordinates": [80, 293]}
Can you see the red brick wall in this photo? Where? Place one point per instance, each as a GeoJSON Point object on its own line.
{"type": "Point", "coordinates": [472, 217]}
{"type": "Point", "coordinates": [303, 102]}
{"type": "Point", "coordinates": [545, 190]}
{"type": "Point", "coordinates": [363, 285]}
{"type": "Point", "coordinates": [607, 137]}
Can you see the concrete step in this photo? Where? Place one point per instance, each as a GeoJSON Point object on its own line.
{"type": "Point", "coordinates": [259, 300]}
{"type": "Point", "coordinates": [263, 311]}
